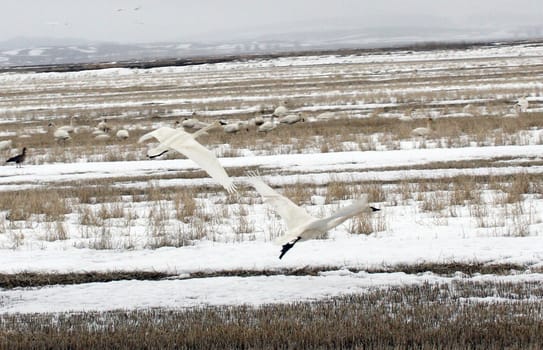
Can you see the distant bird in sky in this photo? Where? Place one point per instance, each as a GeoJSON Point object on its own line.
{"type": "Point", "coordinates": [18, 159]}
{"type": "Point", "coordinates": [186, 144]}
{"type": "Point", "coordinates": [300, 225]}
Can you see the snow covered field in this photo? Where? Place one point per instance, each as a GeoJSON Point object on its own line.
{"type": "Point", "coordinates": [132, 218]}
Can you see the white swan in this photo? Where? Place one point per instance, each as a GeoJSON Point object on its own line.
{"type": "Point", "coordinates": [68, 128]}
{"type": "Point", "coordinates": [267, 126]}
{"type": "Point", "coordinates": [185, 143]}
{"type": "Point", "coordinates": [194, 123]}
{"type": "Point", "coordinates": [122, 134]}
{"type": "Point", "coordinates": [60, 134]}
{"type": "Point", "coordinates": [300, 225]}
{"type": "Point", "coordinates": [102, 137]}
{"type": "Point", "coordinates": [280, 111]}
{"type": "Point", "coordinates": [521, 105]}
{"type": "Point", "coordinates": [424, 131]}
{"type": "Point", "coordinates": [256, 121]}
{"type": "Point", "coordinates": [292, 118]}
{"type": "Point", "coordinates": [232, 128]}
{"type": "Point", "coordinates": [102, 126]}
{"type": "Point", "coordinates": [5, 144]}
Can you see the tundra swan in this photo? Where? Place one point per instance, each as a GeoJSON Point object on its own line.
{"type": "Point", "coordinates": [280, 111]}
{"type": "Point", "coordinates": [5, 144]}
{"type": "Point", "coordinates": [232, 128]}
{"type": "Point", "coordinates": [185, 143]}
{"type": "Point", "coordinates": [300, 225]}
{"type": "Point", "coordinates": [267, 126]}
{"type": "Point", "coordinates": [102, 126]}
{"type": "Point", "coordinates": [122, 134]}
{"type": "Point", "coordinates": [521, 105]}
{"type": "Point", "coordinates": [424, 131]}
{"type": "Point", "coordinates": [292, 118]}
{"type": "Point", "coordinates": [60, 134]}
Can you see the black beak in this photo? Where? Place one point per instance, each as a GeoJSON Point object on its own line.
{"type": "Point", "coordinates": [375, 209]}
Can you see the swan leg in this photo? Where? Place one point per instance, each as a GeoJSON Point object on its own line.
{"type": "Point", "coordinates": [157, 151]}
{"type": "Point", "coordinates": [287, 246]}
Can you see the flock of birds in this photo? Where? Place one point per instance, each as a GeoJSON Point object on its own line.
{"type": "Point", "coordinates": [300, 224]}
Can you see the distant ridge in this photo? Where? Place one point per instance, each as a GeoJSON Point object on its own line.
{"type": "Point", "coordinates": [46, 54]}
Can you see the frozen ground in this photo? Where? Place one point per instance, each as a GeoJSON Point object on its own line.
{"type": "Point", "coordinates": [493, 231]}
{"type": "Point", "coordinates": [410, 239]}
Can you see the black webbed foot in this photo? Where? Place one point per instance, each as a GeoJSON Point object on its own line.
{"type": "Point", "coordinates": [287, 246]}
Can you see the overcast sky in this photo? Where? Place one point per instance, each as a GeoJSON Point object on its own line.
{"type": "Point", "coordinates": [128, 21]}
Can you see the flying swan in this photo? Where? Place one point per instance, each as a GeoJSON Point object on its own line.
{"type": "Point", "coordinates": [186, 144]}
{"type": "Point", "coordinates": [300, 225]}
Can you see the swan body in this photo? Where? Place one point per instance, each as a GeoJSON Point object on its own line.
{"type": "Point", "coordinates": [231, 128]}
{"type": "Point", "coordinates": [186, 144]}
{"type": "Point", "coordinates": [68, 128]}
{"type": "Point", "coordinates": [122, 134]}
{"type": "Point", "coordinates": [5, 144]}
{"type": "Point", "coordinates": [292, 118]}
{"type": "Point", "coordinates": [267, 126]}
{"type": "Point", "coordinates": [300, 225]}
{"type": "Point", "coordinates": [102, 137]}
{"type": "Point", "coordinates": [256, 121]}
{"type": "Point", "coordinates": [326, 116]}
{"type": "Point", "coordinates": [194, 123]}
{"type": "Point", "coordinates": [521, 105]}
{"type": "Point", "coordinates": [102, 126]}
{"type": "Point", "coordinates": [61, 135]}
{"type": "Point", "coordinates": [280, 111]}
{"type": "Point", "coordinates": [423, 131]}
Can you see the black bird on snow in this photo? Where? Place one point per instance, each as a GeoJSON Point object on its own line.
{"type": "Point", "coordinates": [18, 159]}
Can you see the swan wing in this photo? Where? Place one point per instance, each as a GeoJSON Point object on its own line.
{"type": "Point", "coordinates": [292, 214]}
{"type": "Point", "coordinates": [355, 208]}
{"type": "Point", "coordinates": [205, 159]}
{"type": "Point", "coordinates": [162, 134]}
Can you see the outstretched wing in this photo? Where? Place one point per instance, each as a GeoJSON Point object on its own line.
{"type": "Point", "coordinates": [357, 207]}
{"type": "Point", "coordinates": [292, 214]}
{"type": "Point", "coordinates": [184, 143]}
{"type": "Point", "coordinates": [205, 159]}
{"type": "Point", "coordinates": [161, 134]}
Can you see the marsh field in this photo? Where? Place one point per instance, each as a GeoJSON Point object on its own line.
{"type": "Point", "coordinates": [102, 247]}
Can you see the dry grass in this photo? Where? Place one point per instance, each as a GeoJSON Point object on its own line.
{"type": "Point", "coordinates": [421, 316]}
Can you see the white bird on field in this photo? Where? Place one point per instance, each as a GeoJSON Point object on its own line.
{"type": "Point", "coordinates": [185, 143]}
{"type": "Point", "coordinates": [280, 111]}
{"type": "Point", "coordinates": [232, 128]}
{"type": "Point", "coordinates": [424, 131]}
{"type": "Point", "coordinates": [521, 105]}
{"type": "Point", "coordinates": [5, 144]}
{"type": "Point", "coordinates": [326, 116]}
{"type": "Point", "coordinates": [194, 123]}
{"type": "Point", "coordinates": [256, 121]}
{"type": "Point", "coordinates": [60, 134]}
{"type": "Point", "coordinates": [102, 126]}
{"type": "Point", "coordinates": [292, 118]}
{"type": "Point", "coordinates": [300, 225]}
{"type": "Point", "coordinates": [102, 137]}
{"type": "Point", "coordinates": [267, 126]}
{"type": "Point", "coordinates": [122, 134]}
{"type": "Point", "coordinates": [68, 128]}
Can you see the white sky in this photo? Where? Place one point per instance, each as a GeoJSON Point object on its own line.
{"type": "Point", "coordinates": [174, 20]}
